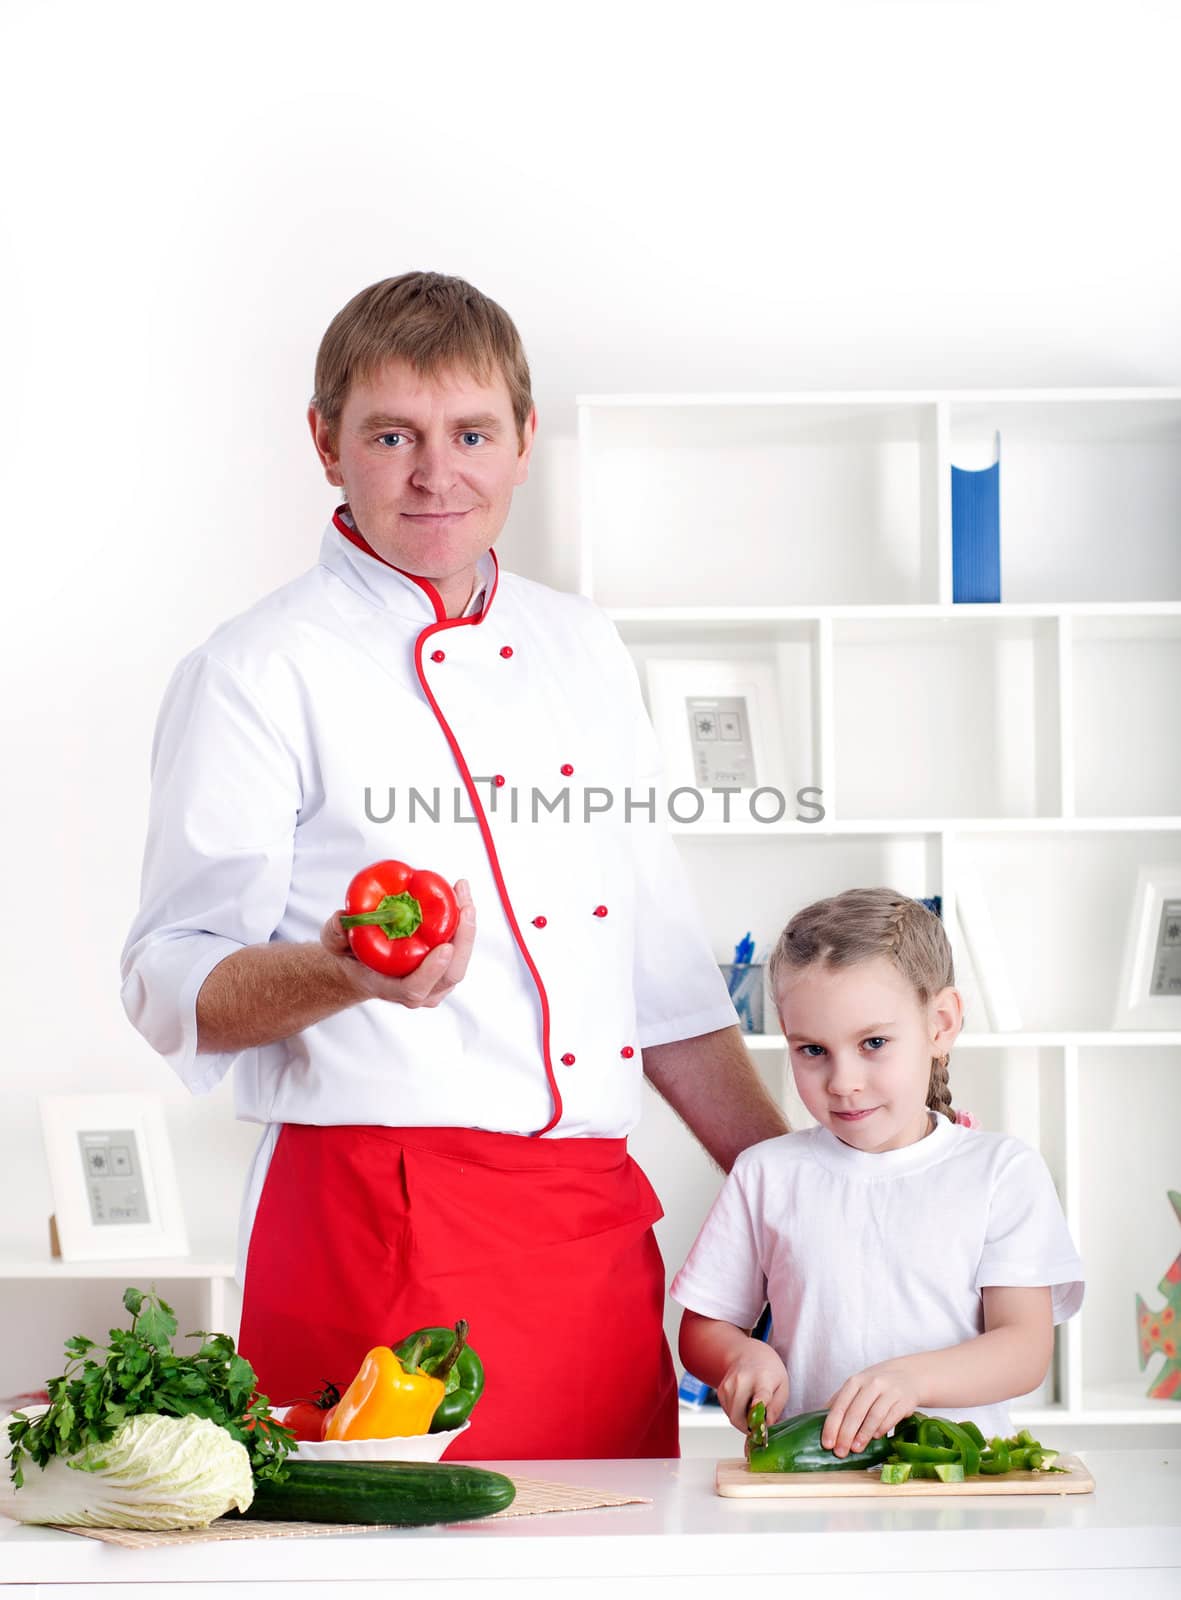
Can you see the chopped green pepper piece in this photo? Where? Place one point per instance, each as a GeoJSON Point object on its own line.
{"type": "Point", "coordinates": [908, 1428]}
{"type": "Point", "coordinates": [935, 1447]}
{"type": "Point", "coordinates": [924, 1452]}
{"type": "Point", "coordinates": [756, 1423]}
{"type": "Point", "coordinates": [939, 1432]}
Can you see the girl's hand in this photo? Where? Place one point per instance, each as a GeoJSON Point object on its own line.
{"type": "Point", "coordinates": [756, 1373]}
{"type": "Point", "coordinates": [869, 1404]}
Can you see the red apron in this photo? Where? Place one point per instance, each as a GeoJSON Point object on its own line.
{"type": "Point", "coordinates": [363, 1234]}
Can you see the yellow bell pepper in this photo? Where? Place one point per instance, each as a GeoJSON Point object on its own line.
{"type": "Point", "coordinates": [386, 1400]}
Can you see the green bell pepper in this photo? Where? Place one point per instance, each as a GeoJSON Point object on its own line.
{"type": "Point", "coordinates": [793, 1445]}
{"type": "Point", "coordinates": [445, 1353]}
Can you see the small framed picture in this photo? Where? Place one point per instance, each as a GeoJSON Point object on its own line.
{"type": "Point", "coordinates": [1150, 981]}
{"type": "Point", "coordinates": [718, 723]}
{"type": "Point", "coordinates": [114, 1185]}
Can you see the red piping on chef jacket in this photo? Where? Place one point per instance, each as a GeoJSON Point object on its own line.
{"type": "Point", "coordinates": [443, 622]}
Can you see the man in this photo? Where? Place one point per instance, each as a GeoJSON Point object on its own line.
{"type": "Point", "coordinates": [453, 1143]}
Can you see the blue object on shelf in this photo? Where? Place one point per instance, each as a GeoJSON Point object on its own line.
{"type": "Point", "coordinates": [976, 532]}
{"type": "Point", "coordinates": [745, 987]}
{"type": "Point", "coordinates": [692, 1392]}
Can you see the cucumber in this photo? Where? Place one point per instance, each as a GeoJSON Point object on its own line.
{"type": "Point", "coordinates": [404, 1493]}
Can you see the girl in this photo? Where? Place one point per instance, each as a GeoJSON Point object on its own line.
{"type": "Point", "coordinates": [910, 1262]}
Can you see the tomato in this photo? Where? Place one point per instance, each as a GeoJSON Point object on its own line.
{"type": "Point", "coordinates": [305, 1419]}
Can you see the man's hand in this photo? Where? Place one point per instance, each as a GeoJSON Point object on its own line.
{"type": "Point", "coordinates": [267, 992]}
{"type": "Point", "coordinates": [429, 983]}
{"type": "Point", "coordinates": [756, 1373]}
{"type": "Point", "coordinates": [868, 1405]}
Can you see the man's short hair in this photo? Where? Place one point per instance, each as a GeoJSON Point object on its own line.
{"type": "Point", "coordinates": [431, 321]}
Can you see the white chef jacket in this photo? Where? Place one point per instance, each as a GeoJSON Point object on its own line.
{"type": "Point", "coordinates": [268, 737]}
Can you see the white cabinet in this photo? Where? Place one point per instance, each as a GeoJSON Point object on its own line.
{"type": "Point", "coordinates": [1034, 743]}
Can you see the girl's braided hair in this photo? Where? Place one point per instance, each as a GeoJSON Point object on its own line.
{"type": "Point", "coordinates": [860, 924]}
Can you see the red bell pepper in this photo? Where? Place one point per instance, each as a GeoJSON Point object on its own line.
{"type": "Point", "coordinates": [396, 915]}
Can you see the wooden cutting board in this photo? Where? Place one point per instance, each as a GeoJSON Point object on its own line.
{"type": "Point", "coordinates": [735, 1480]}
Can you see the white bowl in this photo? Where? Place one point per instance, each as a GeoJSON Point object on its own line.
{"type": "Point", "coordinates": [412, 1447]}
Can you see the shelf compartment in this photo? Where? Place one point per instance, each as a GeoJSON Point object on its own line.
{"type": "Point", "coordinates": [1129, 1233]}
{"type": "Point", "coordinates": [755, 883]}
{"type": "Point", "coordinates": [1126, 687]}
{"type": "Point", "coordinates": [791, 650]}
{"type": "Point", "coordinates": [1126, 1401]}
{"type": "Point", "coordinates": [1090, 491]}
{"type": "Point", "coordinates": [1059, 903]}
{"type": "Point", "coordinates": [836, 501]}
{"type": "Point", "coordinates": [74, 1299]}
{"type": "Point", "coordinates": [950, 717]}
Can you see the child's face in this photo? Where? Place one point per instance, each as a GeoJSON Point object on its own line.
{"type": "Point", "coordinates": [860, 1041]}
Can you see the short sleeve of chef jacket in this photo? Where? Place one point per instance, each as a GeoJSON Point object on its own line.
{"type": "Point", "coordinates": [679, 989]}
{"type": "Point", "coordinates": [225, 796]}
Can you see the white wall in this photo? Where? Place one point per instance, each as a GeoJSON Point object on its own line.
{"type": "Point", "coordinates": [665, 196]}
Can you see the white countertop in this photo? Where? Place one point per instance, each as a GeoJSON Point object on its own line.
{"type": "Point", "coordinates": [1130, 1525]}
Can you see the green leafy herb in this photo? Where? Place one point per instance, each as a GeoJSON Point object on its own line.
{"type": "Point", "coordinates": [142, 1373]}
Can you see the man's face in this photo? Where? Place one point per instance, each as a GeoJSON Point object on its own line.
{"type": "Point", "coordinates": [428, 465]}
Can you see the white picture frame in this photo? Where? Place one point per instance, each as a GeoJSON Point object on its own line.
{"type": "Point", "coordinates": [1152, 953]}
{"type": "Point", "coordinates": [114, 1185]}
{"type": "Point", "coordinates": [746, 694]}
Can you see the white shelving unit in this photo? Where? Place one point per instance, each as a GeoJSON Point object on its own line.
{"type": "Point", "coordinates": [1035, 741]}
{"type": "Point", "coordinates": [61, 1298]}
{"type": "Point", "coordinates": [216, 1278]}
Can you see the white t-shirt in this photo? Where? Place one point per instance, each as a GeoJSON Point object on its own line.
{"type": "Point", "coordinates": [866, 1257]}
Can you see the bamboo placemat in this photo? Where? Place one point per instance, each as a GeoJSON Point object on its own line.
{"type": "Point", "coordinates": [534, 1497]}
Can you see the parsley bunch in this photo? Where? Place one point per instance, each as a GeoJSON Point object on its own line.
{"type": "Point", "coordinates": [142, 1373]}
